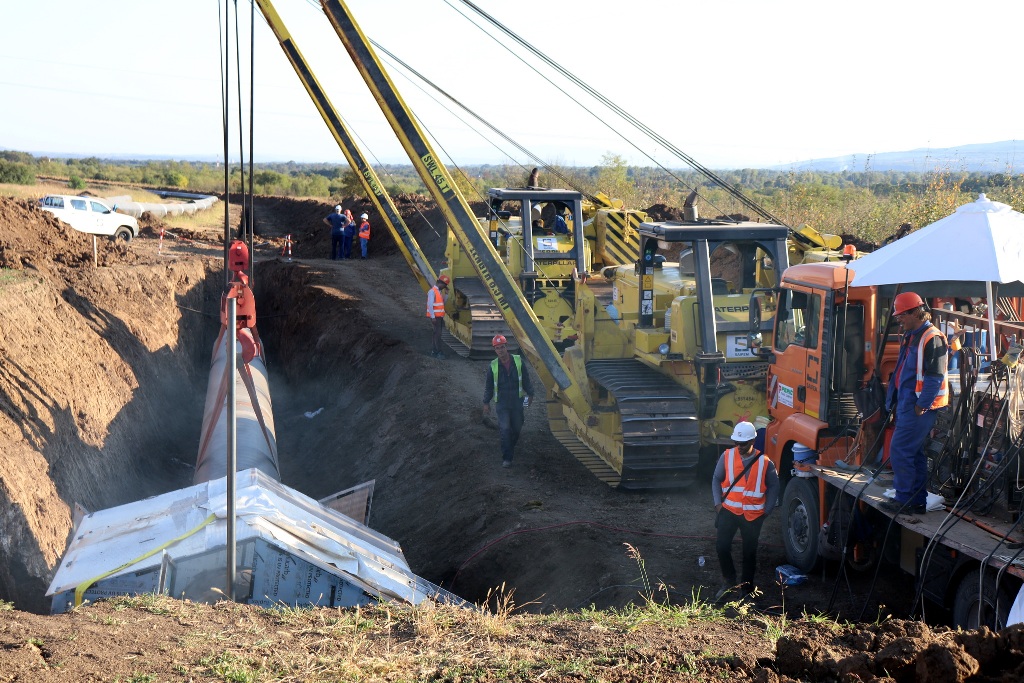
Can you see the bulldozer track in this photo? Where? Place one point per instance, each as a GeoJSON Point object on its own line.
{"type": "Point", "coordinates": [486, 321]}
{"type": "Point", "coordinates": [660, 430]}
{"type": "Point", "coordinates": [586, 456]}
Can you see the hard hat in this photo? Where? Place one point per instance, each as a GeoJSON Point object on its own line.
{"type": "Point", "coordinates": [338, 208]}
{"type": "Point", "coordinates": [907, 301]}
{"type": "Point", "coordinates": [499, 340]}
{"type": "Point", "coordinates": [363, 216]}
{"type": "Point", "coordinates": [445, 279]}
{"type": "Point", "coordinates": [744, 431]}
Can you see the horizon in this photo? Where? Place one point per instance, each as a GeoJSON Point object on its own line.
{"type": "Point", "coordinates": [957, 153]}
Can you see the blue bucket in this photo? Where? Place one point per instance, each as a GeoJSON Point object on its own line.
{"type": "Point", "coordinates": [804, 454]}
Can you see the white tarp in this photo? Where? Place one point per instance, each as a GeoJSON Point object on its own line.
{"type": "Point", "coordinates": [980, 242]}
{"type": "Point", "coordinates": [965, 253]}
{"type": "Point", "coordinates": [179, 523]}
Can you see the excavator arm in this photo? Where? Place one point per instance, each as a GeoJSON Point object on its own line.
{"type": "Point", "coordinates": [503, 289]}
{"type": "Point", "coordinates": [371, 183]}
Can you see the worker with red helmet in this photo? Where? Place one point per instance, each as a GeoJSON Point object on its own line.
{"type": "Point", "coordinates": [435, 311]}
{"type": "Point", "coordinates": [918, 389]}
{"type": "Point", "coordinates": [508, 385]}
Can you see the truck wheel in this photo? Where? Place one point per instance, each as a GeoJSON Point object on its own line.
{"type": "Point", "coordinates": [800, 523]}
{"type": "Point", "coordinates": [123, 234]}
{"type": "Point", "coordinates": [971, 610]}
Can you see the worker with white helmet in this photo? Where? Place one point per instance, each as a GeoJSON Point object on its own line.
{"type": "Point", "coordinates": [745, 488]}
{"type": "Point", "coordinates": [364, 232]}
{"type": "Point", "coordinates": [435, 311]}
{"type": "Point", "coordinates": [337, 221]}
{"type": "Point", "coordinates": [508, 385]}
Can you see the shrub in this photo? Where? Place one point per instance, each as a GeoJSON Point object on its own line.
{"type": "Point", "coordinates": [76, 183]}
{"type": "Point", "coordinates": [16, 172]}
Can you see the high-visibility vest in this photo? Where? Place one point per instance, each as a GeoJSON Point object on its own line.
{"type": "Point", "coordinates": [941, 398]}
{"type": "Point", "coordinates": [519, 370]}
{"type": "Point", "coordinates": [747, 497]}
{"type": "Point", "coordinates": [435, 303]}
{"type": "Point", "coordinates": [364, 230]}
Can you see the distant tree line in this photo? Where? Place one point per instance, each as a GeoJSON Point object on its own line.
{"type": "Point", "coordinates": [868, 204]}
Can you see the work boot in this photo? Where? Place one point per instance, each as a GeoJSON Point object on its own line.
{"type": "Point", "coordinates": [506, 463]}
{"type": "Point", "coordinates": [723, 594]}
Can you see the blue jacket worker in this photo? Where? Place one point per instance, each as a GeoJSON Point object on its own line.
{"type": "Point", "coordinates": [348, 235]}
{"type": "Point", "coordinates": [337, 221]}
{"type": "Point", "coordinates": [918, 389]}
{"type": "Point", "coordinates": [508, 385]}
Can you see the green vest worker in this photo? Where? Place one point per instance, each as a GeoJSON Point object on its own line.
{"type": "Point", "coordinates": [508, 385]}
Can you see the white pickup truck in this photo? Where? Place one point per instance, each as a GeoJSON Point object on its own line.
{"type": "Point", "coordinates": [91, 215]}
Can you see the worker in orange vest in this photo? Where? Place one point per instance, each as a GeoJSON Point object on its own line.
{"type": "Point", "coordinates": [745, 487]}
{"type": "Point", "coordinates": [435, 311]}
{"type": "Point", "coordinates": [917, 390]}
{"type": "Point", "coordinates": [364, 232]}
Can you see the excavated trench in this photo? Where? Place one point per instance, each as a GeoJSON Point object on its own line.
{"type": "Point", "coordinates": [102, 375]}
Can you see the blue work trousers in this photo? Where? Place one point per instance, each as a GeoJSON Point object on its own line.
{"type": "Point", "coordinates": [346, 246]}
{"type": "Point", "coordinates": [363, 243]}
{"type": "Point", "coordinates": [907, 456]}
{"type": "Point", "coordinates": [510, 423]}
{"type": "Point", "coordinates": [336, 247]}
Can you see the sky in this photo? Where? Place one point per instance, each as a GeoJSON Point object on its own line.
{"type": "Point", "coordinates": [737, 83]}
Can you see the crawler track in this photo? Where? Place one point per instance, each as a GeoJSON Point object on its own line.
{"type": "Point", "coordinates": [485, 322]}
{"type": "Point", "coordinates": [660, 431]}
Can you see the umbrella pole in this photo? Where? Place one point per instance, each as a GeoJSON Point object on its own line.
{"type": "Point", "coordinates": [992, 345]}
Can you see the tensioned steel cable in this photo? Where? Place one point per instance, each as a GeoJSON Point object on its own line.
{"type": "Point", "coordinates": [536, 159]}
{"type": "Point", "coordinates": [241, 128]}
{"type": "Point", "coordinates": [626, 116]}
{"type": "Point", "coordinates": [250, 228]}
{"type": "Point", "coordinates": [223, 24]}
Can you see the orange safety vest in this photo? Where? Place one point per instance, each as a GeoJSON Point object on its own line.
{"type": "Point", "coordinates": [747, 497]}
{"type": "Point", "coordinates": [364, 230]}
{"type": "Point", "coordinates": [941, 398]}
{"type": "Point", "coordinates": [435, 303]}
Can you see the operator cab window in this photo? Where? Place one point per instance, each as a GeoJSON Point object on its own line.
{"type": "Point", "coordinates": [797, 320]}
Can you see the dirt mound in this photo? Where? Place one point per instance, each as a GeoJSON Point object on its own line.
{"type": "Point", "coordinates": [311, 238]}
{"type": "Point", "coordinates": [901, 651]}
{"type": "Point", "coordinates": [35, 239]}
{"type": "Point", "coordinates": [662, 212]}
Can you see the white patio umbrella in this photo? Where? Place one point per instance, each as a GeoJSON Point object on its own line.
{"type": "Point", "coordinates": [981, 243]}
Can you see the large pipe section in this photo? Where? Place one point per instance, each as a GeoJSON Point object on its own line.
{"type": "Point", "coordinates": [255, 434]}
{"type": "Point", "coordinates": [124, 204]}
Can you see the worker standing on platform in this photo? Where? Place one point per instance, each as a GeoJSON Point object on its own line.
{"type": "Point", "coordinates": [435, 311]}
{"type": "Point", "coordinates": [745, 488]}
{"type": "Point", "coordinates": [364, 232]}
{"type": "Point", "coordinates": [508, 385]}
{"type": "Point", "coordinates": [918, 389]}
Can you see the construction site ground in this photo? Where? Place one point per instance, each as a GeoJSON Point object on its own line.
{"type": "Point", "coordinates": [102, 371]}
